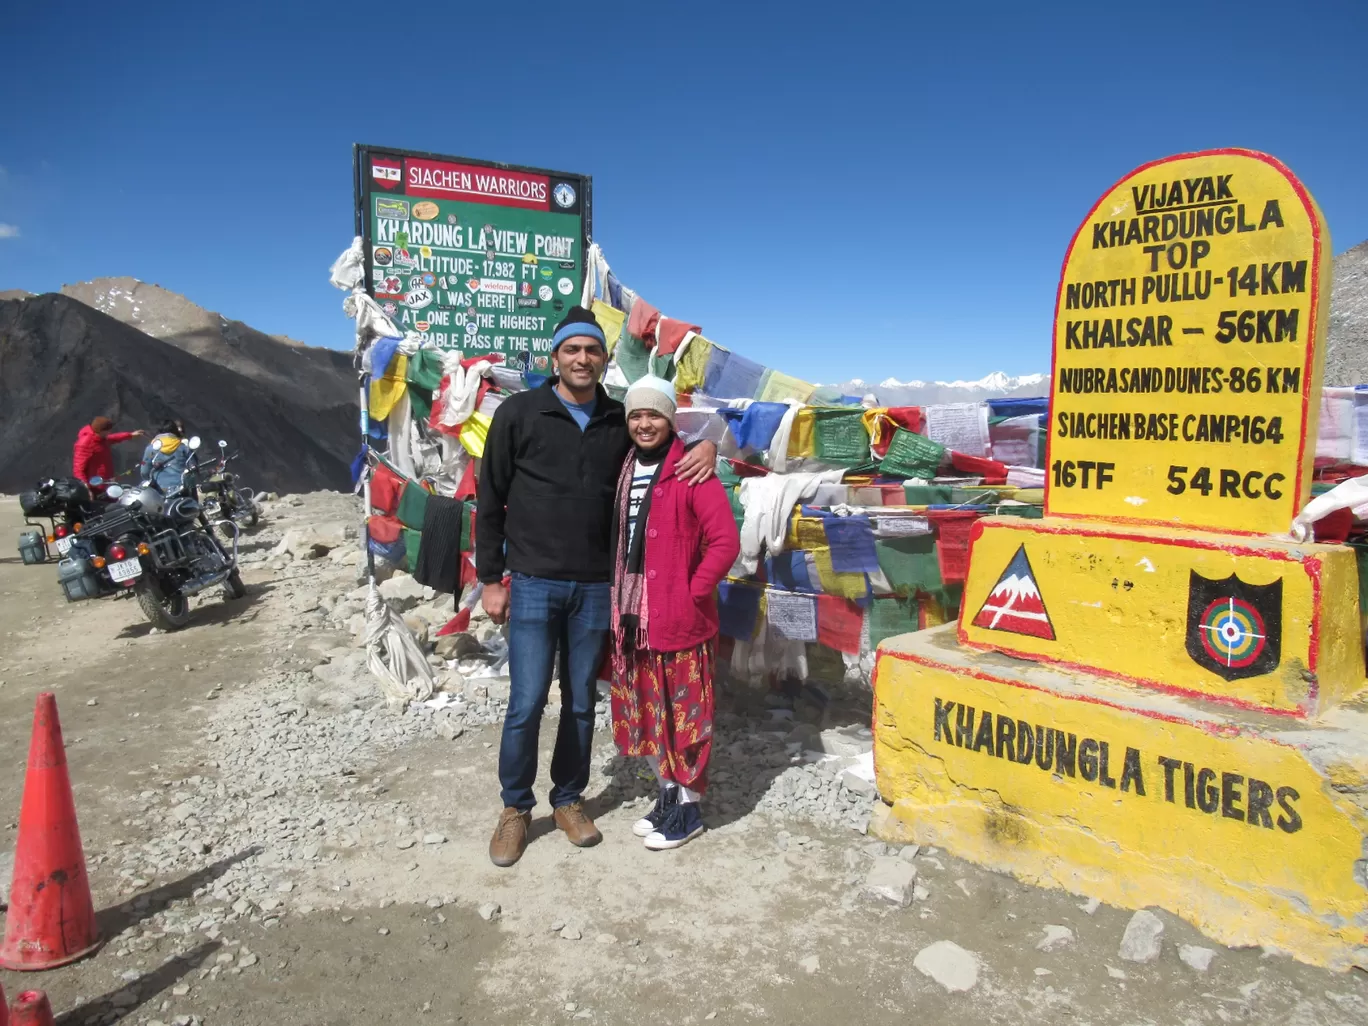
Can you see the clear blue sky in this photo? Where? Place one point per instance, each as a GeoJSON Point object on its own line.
{"type": "Point", "coordinates": [835, 190]}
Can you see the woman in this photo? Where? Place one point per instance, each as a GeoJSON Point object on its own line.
{"type": "Point", "coordinates": [164, 459]}
{"type": "Point", "coordinates": [672, 544]}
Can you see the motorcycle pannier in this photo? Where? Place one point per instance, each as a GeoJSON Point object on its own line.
{"type": "Point", "coordinates": [33, 547]}
{"type": "Point", "coordinates": [77, 579]}
{"type": "Point", "coordinates": [39, 504]}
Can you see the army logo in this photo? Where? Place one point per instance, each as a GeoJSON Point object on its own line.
{"type": "Point", "coordinates": [1234, 629]}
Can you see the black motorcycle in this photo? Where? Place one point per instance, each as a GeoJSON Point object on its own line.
{"type": "Point", "coordinates": [224, 498]}
{"type": "Point", "coordinates": [65, 503]}
{"type": "Point", "coordinates": [159, 549]}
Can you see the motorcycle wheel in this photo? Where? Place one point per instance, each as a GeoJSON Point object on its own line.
{"type": "Point", "coordinates": [233, 588]}
{"type": "Point", "coordinates": [166, 613]}
{"type": "Point", "coordinates": [253, 514]}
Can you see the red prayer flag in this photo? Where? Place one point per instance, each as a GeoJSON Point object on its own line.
{"type": "Point", "coordinates": [839, 623]}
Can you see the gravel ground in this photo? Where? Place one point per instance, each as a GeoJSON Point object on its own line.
{"type": "Point", "coordinates": [269, 843]}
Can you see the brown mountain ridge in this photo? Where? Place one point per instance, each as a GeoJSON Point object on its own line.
{"type": "Point", "coordinates": [290, 409]}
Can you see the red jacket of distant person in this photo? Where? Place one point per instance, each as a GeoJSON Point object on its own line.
{"type": "Point", "coordinates": [92, 456]}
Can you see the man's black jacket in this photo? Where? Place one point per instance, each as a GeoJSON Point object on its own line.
{"type": "Point", "coordinates": [545, 502]}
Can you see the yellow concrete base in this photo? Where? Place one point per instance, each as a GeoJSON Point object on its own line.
{"type": "Point", "coordinates": [1148, 604]}
{"type": "Point", "coordinates": [1252, 826]}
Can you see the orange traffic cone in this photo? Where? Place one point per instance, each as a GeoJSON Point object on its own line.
{"type": "Point", "coordinates": [31, 1008]}
{"type": "Point", "coordinates": [51, 921]}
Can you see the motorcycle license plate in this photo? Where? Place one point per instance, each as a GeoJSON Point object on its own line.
{"type": "Point", "coordinates": [125, 570]}
{"type": "Point", "coordinates": [63, 546]}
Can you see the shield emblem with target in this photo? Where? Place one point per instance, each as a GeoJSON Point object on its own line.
{"type": "Point", "coordinates": [1234, 629]}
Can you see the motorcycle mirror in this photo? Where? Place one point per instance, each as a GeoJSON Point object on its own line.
{"type": "Point", "coordinates": [194, 442]}
{"type": "Point", "coordinates": [222, 444]}
{"type": "Point", "coordinates": [96, 481]}
{"type": "Point", "coordinates": [113, 491]}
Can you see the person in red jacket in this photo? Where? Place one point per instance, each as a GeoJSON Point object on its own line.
{"type": "Point", "coordinates": [672, 545]}
{"type": "Point", "coordinates": [92, 456]}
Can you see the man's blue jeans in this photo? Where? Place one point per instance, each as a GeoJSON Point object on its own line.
{"type": "Point", "coordinates": [547, 617]}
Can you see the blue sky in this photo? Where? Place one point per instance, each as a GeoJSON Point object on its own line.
{"type": "Point", "coordinates": [834, 190]}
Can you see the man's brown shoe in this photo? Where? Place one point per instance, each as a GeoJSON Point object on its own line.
{"type": "Point", "coordinates": [510, 837]}
{"type": "Point", "coordinates": [578, 827]}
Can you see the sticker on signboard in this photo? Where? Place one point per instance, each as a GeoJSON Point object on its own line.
{"type": "Point", "coordinates": [383, 255]}
{"type": "Point", "coordinates": [390, 288]}
{"type": "Point", "coordinates": [425, 252]}
{"type": "Point", "coordinates": [472, 328]}
{"type": "Point", "coordinates": [547, 273]}
{"type": "Point", "coordinates": [426, 210]}
{"type": "Point", "coordinates": [394, 209]}
{"type": "Point", "coordinates": [386, 173]}
{"type": "Point", "coordinates": [565, 286]}
{"type": "Point", "coordinates": [498, 285]}
{"type": "Point", "coordinates": [564, 195]}
{"type": "Point", "coordinates": [421, 325]}
{"type": "Point", "coordinates": [529, 258]}
{"type": "Point", "coordinates": [473, 284]}
{"type": "Point", "coordinates": [429, 280]}
{"type": "Point", "coordinates": [417, 299]}
{"type": "Point", "coordinates": [390, 309]}
{"type": "Point", "coordinates": [442, 282]}
{"type": "Point", "coordinates": [451, 218]}
{"type": "Point", "coordinates": [545, 293]}
{"type": "Point", "coordinates": [526, 303]}
{"type": "Point", "coordinates": [525, 288]}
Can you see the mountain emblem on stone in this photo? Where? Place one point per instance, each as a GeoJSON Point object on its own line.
{"type": "Point", "coordinates": [1014, 605]}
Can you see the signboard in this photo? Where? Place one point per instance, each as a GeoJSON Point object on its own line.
{"type": "Point", "coordinates": [475, 256]}
{"type": "Point", "coordinates": [1188, 338]}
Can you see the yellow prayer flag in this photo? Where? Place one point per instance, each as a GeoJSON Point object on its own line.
{"type": "Point", "coordinates": [851, 586]}
{"type": "Point", "coordinates": [780, 386]}
{"type": "Point", "coordinates": [692, 367]}
{"type": "Point", "coordinates": [386, 391]}
{"type": "Point", "coordinates": [801, 440]}
{"type": "Point", "coordinates": [610, 320]}
{"type": "Point", "coordinates": [475, 432]}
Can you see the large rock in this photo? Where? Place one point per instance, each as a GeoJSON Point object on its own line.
{"type": "Point", "coordinates": [1143, 937]}
{"type": "Point", "coordinates": [315, 541]}
{"type": "Point", "coordinates": [949, 965]}
{"type": "Point", "coordinates": [402, 592]}
{"type": "Point", "coordinates": [891, 879]}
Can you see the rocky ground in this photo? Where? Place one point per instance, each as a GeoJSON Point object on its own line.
{"type": "Point", "coordinates": [270, 843]}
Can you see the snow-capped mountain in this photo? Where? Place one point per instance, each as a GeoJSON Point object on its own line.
{"type": "Point", "coordinates": [892, 392]}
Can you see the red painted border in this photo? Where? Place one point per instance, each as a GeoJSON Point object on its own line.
{"type": "Point", "coordinates": [1313, 571]}
{"type": "Point", "coordinates": [1224, 730]}
{"type": "Point", "coordinates": [1314, 214]}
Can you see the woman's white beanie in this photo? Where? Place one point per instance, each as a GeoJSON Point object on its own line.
{"type": "Point", "coordinates": [652, 393]}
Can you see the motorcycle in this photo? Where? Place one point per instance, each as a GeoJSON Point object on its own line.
{"type": "Point", "coordinates": [223, 498]}
{"type": "Point", "coordinates": [65, 503]}
{"type": "Point", "coordinates": [158, 549]}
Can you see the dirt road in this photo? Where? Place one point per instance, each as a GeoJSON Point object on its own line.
{"type": "Point", "coordinates": [269, 844]}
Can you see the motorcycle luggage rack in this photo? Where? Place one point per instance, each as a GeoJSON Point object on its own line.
{"type": "Point", "coordinates": [167, 549]}
{"type": "Point", "coordinates": [114, 523]}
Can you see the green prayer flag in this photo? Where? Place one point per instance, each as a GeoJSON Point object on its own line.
{"type": "Point", "coordinates": [412, 539]}
{"type": "Point", "coordinates": [425, 369]}
{"type": "Point", "coordinates": [889, 617]}
{"type": "Point", "coordinates": [633, 358]}
{"type": "Point", "coordinates": [421, 402]}
{"type": "Point", "coordinates": [910, 564]}
{"type": "Point", "coordinates": [912, 455]}
{"type": "Point", "coordinates": [839, 436]}
{"type": "Point", "coordinates": [412, 506]}
{"type": "Point", "coordinates": [467, 528]}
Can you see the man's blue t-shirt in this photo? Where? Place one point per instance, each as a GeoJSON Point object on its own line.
{"type": "Point", "coordinates": [581, 412]}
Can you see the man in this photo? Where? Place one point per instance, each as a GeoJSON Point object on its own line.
{"type": "Point", "coordinates": [550, 469]}
{"type": "Point", "coordinates": [91, 456]}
